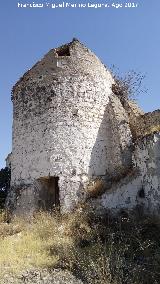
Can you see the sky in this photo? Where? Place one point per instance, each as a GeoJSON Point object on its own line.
{"type": "Point", "coordinates": [128, 38]}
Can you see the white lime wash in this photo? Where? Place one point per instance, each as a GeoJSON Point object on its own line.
{"type": "Point", "coordinates": [70, 129]}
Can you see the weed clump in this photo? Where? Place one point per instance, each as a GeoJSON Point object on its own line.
{"type": "Point", "coordinates": [95, 188]}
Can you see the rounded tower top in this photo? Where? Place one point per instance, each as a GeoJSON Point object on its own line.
{"type": "Point", "coordinates": [69, 60]}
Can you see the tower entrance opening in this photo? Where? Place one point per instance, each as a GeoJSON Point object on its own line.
{"type": "Point", "coordinates": [48, 193]}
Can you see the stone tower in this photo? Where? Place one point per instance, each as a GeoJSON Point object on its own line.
{"type": "Point", "coordinates": [68, 129]}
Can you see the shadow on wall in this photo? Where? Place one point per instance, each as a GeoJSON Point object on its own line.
{"type": "Point", "coordinates": [111, 156]}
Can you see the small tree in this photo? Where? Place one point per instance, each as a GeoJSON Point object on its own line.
{"type": "Point", "coordinates": [5, 177]}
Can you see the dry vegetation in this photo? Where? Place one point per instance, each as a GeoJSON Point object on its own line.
{"type": "Point", "coordinates": [97, 250]}
{"type": "Point", "coordinates": [129, 86]}
{"type": "Point", "coordinates": [152, 129]}
{"type": "Point", "coordinates": [95, 188]}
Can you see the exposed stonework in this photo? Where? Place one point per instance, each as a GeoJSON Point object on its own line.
{"type": "Point", "coordinates": [69, 129]}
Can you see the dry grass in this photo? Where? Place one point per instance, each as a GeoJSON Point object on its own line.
{"type": "Point", "coordinates": [142, 131]}
{"type": "Point", "coordinates": [23, 247]}
{"type": "Point", "coordinates": [44, 241]}
{"type": "Point", "coordinates": [152, 129]}
{"type": "Point", "coordinates": [95, 188]}
{"type": "Point", "coordinates": [99, 250]}
{"type": "Point", "coordinates": [2, 216]}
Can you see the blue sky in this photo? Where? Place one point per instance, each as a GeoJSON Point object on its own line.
{"type": "Point", "coordinates": [127, 38]}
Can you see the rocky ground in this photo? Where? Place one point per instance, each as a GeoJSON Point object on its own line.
{"type": "Point", "coordinates": [56, 276]}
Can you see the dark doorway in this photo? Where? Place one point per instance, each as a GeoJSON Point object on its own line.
{"type": "Point", "coordinates": [48, 193]}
